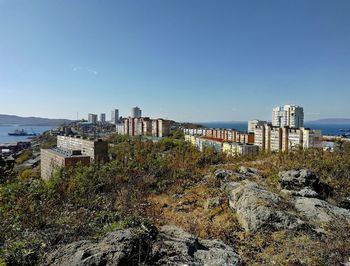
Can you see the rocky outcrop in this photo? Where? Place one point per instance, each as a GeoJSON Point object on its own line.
{"type": "Point", "coordinates": [168, 246]}
{"type": "Point", "coordinates": [242, 173]}
{"type": "Point", "coordinates": [223, 174]}
{"type": "Point", "coordinates": [303, 183]}
{"type": "Point", "coordinates": [248, 171]}
{"type": "Point", "coordinates": [345, 203]}
{"type": "Point", "coordinates": [258, 208]}
{"type": "Point", "coordinates": [319, 211]}
{"type": "Point", "coordinates": [116, 248]}
{"type": "Point", "coordinates": [176, 247]}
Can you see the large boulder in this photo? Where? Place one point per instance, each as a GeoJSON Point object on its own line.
{"type": "Point", "coordinates": [258, 208]}
{"type": "Point", "coordinates": [168, 246]}
{"type": "Point", "coordinates": [320, 211]}
{"type": "Point", "coordinates": [303, 183]}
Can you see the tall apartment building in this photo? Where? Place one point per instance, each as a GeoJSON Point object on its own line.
{"type": "Point", "coordinates": [288, 115]}
{"type": "Point", "coordinates": [103, 118]}
{"type": "Point", "coordinates": [97, 150]}
{"type": "Point", "coordinates": [136, 112]}
{"type": "Point", "coordinates": [115, 116]}
{"type": "Point", "coordinates": [92, 118]}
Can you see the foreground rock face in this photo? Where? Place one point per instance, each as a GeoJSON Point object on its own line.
{"type": "Point", "coordinates": [303, 183]}
{"type": "Point", "coordinates": [258, 208]}
{"type": "Point", "coordinates": [176, 247]}
{"type": "Point", "coordinates": [170, 246]}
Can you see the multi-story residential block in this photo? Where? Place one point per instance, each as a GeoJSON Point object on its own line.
{"type": "Point", "coordinates": [144, 126]}
{"type": "Point", "coordinates": [292, 138]}
{"type": "Point", "coordinates": [92, 118]}
{"type": "Point", "coordinates": [163, 128]}
{"type": "Point", "coordinates": [259, 136]}
{"type": "Point", "coordinates": [225, 134]}
{"type": "Point", "coordinates": [115, 117]}
{"type": "Point", "coordinates": [254, 123]}
{"type": "Point", "coordinates": [271, 138]}
{"type": "Point", "coordinates": [147, 126]}
{"type": "Point", "coordinates": [206, 142]}
{"type": "Point", "coordinates": [312, 138]}
{"type": "Point", "coordinates": [155, 128]}
{"type": "Point", "coordinates": [275, 139]}
{"type": "Point", "coordinates": [191, 139]}
{"type": "Point", "coordinates": [55, 158]}
{"type": "Point", "coordinates": [239, 149]}
{"type": "Point", "coordinates": [120, 129]}
{"type": "Point", "coordinates": [195, 131]}
{"type": "Point", "coordinates": [221, 145]}
{"type": "Point", "coordinates": [97, 150]}
{"type": "Point", "coordinates": [288, 115]}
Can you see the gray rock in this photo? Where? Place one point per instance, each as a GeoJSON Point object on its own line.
{"type": "Point", "coordinates": [248, 171]}
{"type": "Point", "coordinates": [176, 247]}
{"type": "Point", "coordinates": [242, 174]}
{"type": "Point", "coordinates": [320, 211]}
{"type": "Point", "coordinates": [308, 193]}
{"type": "Point", "coordinates": [345, 203]}
{"type": "Point", "coordinates": [297, 179]}
{"type": "Point", "coordinates": [116, 248]}
{"type": "Point", "coordinates": [304, 183]}
{"type": "Point", "coordinates": [223, 174]}
{"type": "Point", "coordinates": [258, 208]}
{"type": "Point", "coordinates": [169, 246]}
{"type": "Point", "coordinates": [305, 192]}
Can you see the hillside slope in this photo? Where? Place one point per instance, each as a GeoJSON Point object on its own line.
{"type": "Point", "coordinates": [32, 121]}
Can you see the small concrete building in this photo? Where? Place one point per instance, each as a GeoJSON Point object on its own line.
{"type": "Point", "coordinates": [55, 158]}
{"type": "Point", "coordinates": [97, 150]}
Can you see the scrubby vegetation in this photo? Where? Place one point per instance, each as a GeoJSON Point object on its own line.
{"type": "Point", "coordinates": [168, 182]}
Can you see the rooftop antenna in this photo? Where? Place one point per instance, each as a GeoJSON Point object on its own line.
{"type": "Point", "coordinates": [77, 116]}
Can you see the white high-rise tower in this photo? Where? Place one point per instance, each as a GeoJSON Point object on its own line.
{"type": "Point", "coordinates": [288, 115]}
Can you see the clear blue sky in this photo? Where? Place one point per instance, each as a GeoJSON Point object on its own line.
{"type": "Point", "coordinates": [188, 60]}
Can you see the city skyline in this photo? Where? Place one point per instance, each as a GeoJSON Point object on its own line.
{"type": "Point", "coordinates": [191, 61]}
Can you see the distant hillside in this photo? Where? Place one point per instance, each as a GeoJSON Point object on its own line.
{"type": "Point", "coordinates": [335, 121]}
{"type": "Point", "coordinates": [30, 121]}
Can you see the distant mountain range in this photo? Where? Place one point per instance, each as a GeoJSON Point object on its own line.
{"type": "Point", "coordinates": [30, 121]}
{"type": "Point", "coordinates": [334, 121]}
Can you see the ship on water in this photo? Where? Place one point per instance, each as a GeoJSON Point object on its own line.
{"type": "Point", "coordinates": [21, 133]}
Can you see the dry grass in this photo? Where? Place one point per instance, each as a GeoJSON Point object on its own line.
{"type": "Point", "coordinates": [190, 212]}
